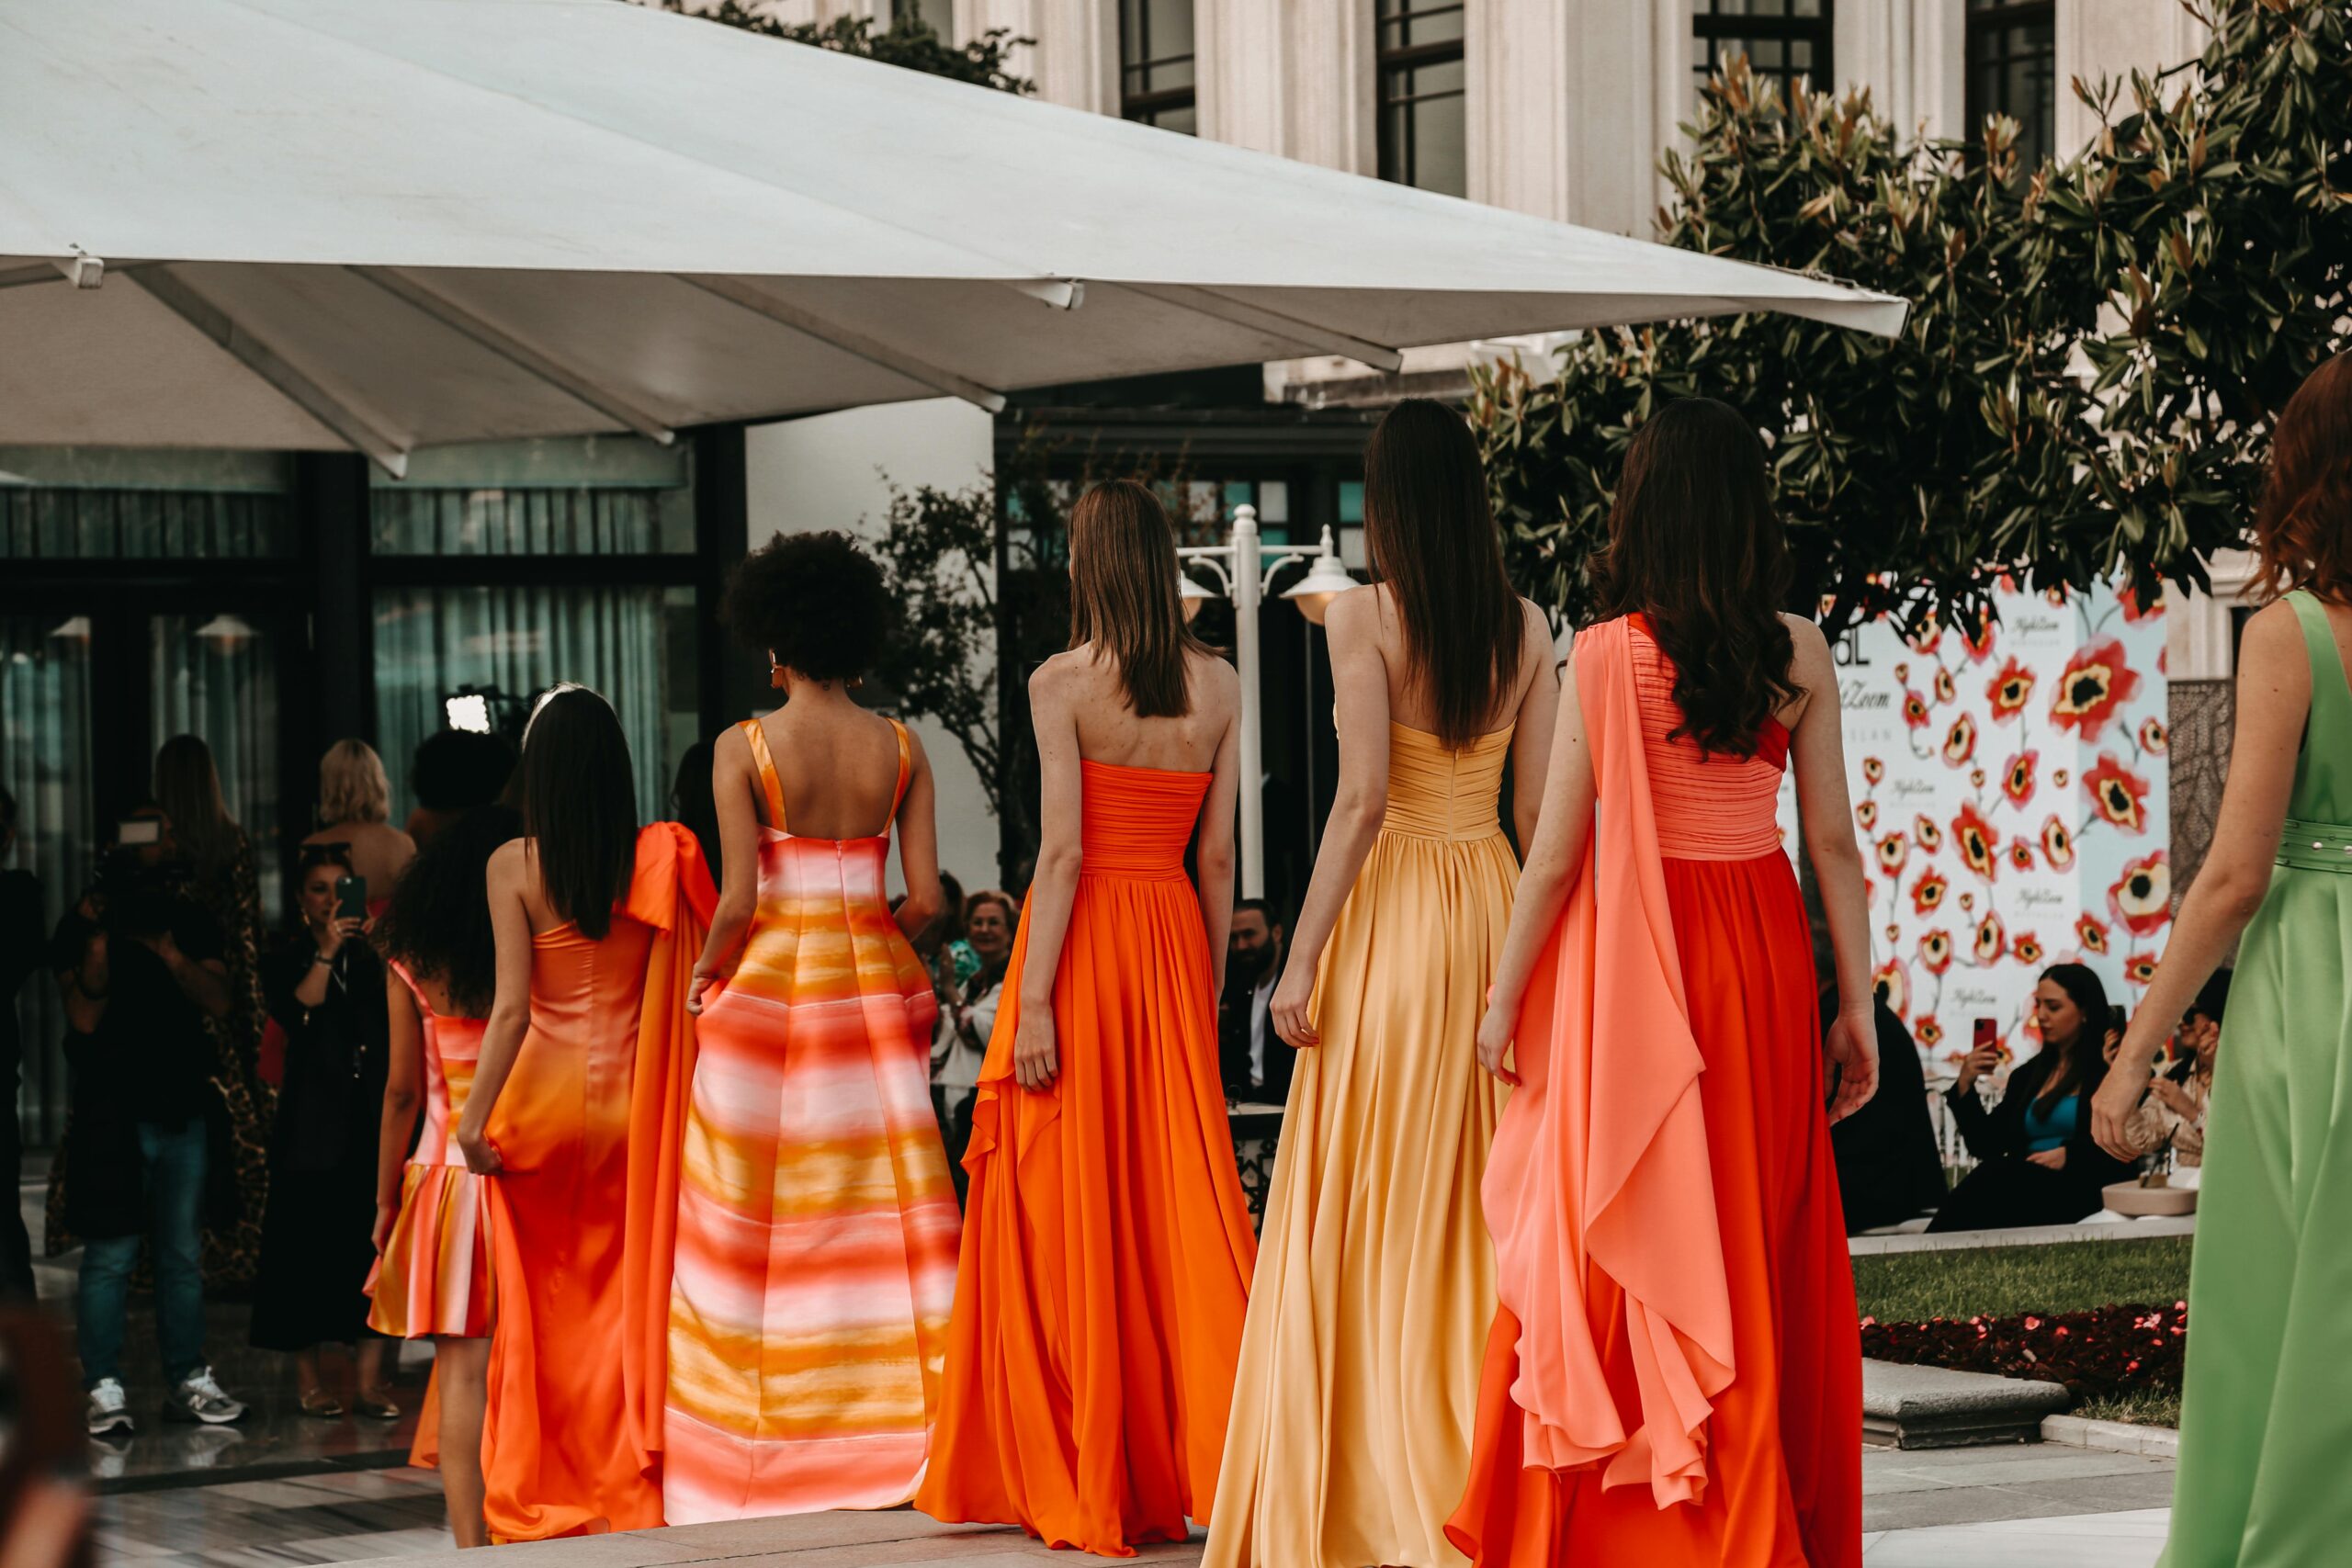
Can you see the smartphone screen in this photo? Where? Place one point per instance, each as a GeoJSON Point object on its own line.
{"type": "Point", "coordinates": [1987, 1033]}
{"type": "Point", "coordinates": [351, 897]}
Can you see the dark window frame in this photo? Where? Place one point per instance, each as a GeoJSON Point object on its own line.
{"type": "Point", "coordinates": [1398, 159]}
{"type": "Point", "coordinates": [1712, 29]}
{"type": "Point", "coordinates": [1144, 104]}
{"type": "Point", "coordinates": [2000, 20]}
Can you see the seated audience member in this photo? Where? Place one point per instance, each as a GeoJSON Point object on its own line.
{"type": "Point", "coordinates": [455, 771]}
{"type": "Point", "coordinates": [969, 994]}
{"type": "Point", "coordinates": [1889, 1168]}
{"type": "Point", "coordinates": [2039, 1165]}
{"type": "Point", "coordinates": [1252, 1059]}
{"type": "Point", "coordinates": [355, 811]}
{"type": "Point", "coordinates": [2174, 1108]}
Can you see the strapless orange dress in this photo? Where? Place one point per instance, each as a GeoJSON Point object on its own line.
{"type": "Point", "coordinates": [434, 1277]}
{"type": "Point", "coordinates": [584, 1212]}
{"type": "Point", "coordinates": [1107, 1246]}
{"type": "Point", "coordinates": [1674, 1375]}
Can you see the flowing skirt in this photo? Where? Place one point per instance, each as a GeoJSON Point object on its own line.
{"type": "Point", "coordinates": [1784, 1443]}
{"type": "Point", "coordinates": [1107, 1246]}
{"type": "Point", "coordinates": [435, 1278]}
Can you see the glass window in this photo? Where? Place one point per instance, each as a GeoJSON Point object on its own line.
{"type": "Point", "coordinates": [598, 496]}
{"type": "Point", "coordinates": [45, 763]}
{"type": "Point", "coordinates": [1156, 79]}
{"type": "Point", "coordinates": [939, 16]}
{"type": "Point", "coordinates": [1423, 123]}
{"type": "Point", "coordinates": [1783, 40]}
{"type": "Point", "coordinates": [2013, 70]}
{"type": "Point", "coordinates": [216, 676]}
{"type": "Point", "coordinates": [99, 504]}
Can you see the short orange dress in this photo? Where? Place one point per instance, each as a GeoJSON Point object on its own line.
{"type": "Point", "coordinates": [433, 1277]}
{"type": "Point", "coordinates": [583, 1213]}
{"type": "Point", "coordinates": [1107, 1246]}
{"type": "Point", "coordinates": [1674, 1375]}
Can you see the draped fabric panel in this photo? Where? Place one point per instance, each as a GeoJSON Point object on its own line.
{"type": "Point", "coordinates": [45, 763]}
{"type": "Point", "coordinates": [38, 524]}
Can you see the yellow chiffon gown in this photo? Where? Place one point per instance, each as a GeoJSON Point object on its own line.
{"type": "Point", "coordinates": [1349, 1443]}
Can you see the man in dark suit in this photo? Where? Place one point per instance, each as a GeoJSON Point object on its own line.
{"type": "Point", "coordinates": [1254, 1062]}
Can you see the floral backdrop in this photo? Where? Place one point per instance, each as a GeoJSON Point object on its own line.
{"type": "Point", "coordinates": [2009, 782]}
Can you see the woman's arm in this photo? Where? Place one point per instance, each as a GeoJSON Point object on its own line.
{"type": "Point", "coordinates": [731, 777]}
{"type": "Point", "coordinates": [1531, 737]}
{"type": "Point", "coordinates": [510, 1013]}
{"type": "Point", "coordinates": [1817, 757]}
{"type": "Point", "coordinates": [1562, 825]}
{"type": "Point", "coordinates": [1053, 889]}
{"type": "Point", "coordinates": [1360, 684]}
{"type": "Point", "coordinates": [403, 1089]}
{"type": "Point", "coordinates": [1214, 856]}
{"type": "Point", "coordinates": [2274, 702]}
{"type": "Point", "coordinates": [918, 823]}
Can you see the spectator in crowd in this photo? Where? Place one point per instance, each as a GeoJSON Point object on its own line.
{"type": "Point", "coordinates": [2039, 1165]}
{"type": "Point", "coordinates": [2174, 1112]}
{"type": "Point", "coordinates": [326, 991]}
{"type": "Point", "coordinates": [1889, 1170]}
{"type": "Point", "coordinates": [144, 978]}
{"type": "Point", "coordinates": [21, 947]}
{"type": "Point", "coordinates": [453, 771]}
{"type": "Point", "coordinates": [969, 994]}
{"type": "Point", "coordinates": [1253, 1060]}
{"type": "Point", "coordinates": [692, 805]}
{"type": "Point", "coordinates": [356, 811]}
{"type": "Point", "coordinates": [202, 837]}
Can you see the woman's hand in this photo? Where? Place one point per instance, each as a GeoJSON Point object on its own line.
{"type": "Point", "coordinates": [1852, 1047]}
{"type": "Point", "coordinates": [2049, 1159]}
{"type": "Point", "coordinates": [482, 1155]}
{"type": "Point", "coordinates": [2111, 1109]}
{"type": "Point", "coordinates": [1290, 1010]}
{"type": "Point", "coordinates": [1496, 1031]}
{"type": "Point", "coordinates": [694, 987]}
{"type": "Point", "coordinates": [335, 933]}
{"type": "Point", "coordinates": [1975, 1065]}
{"type": "Point", "coordinates": [1035, 1062]}
{"type": "Point", "coordinates": [386, 1215]}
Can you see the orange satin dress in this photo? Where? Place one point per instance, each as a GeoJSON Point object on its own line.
{"type": "Point", "coordinates": [584, 1211]}
{"type": "Point", "coordinates": [1107, 1246]}
{"type": "Point", "coordinates": [1674, 1375]}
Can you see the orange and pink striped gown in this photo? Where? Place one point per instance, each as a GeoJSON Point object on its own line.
{"type": "Point", "coordinates": [817, 1226]}
{"type": "Point", "coordinates": [433, 1277]}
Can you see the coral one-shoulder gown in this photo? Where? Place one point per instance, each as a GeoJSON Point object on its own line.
{"type": "Point", "coordinates": [1107, 1246]}
{"type": "Point", "coordinates": [584, 1211]}
{"type": "Point", "coordinates": [1674, 1377]}
{"type": "Point", "coordinates": [817, 1226]}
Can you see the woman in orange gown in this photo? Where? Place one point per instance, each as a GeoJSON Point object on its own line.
{"type": "Point", "coordinates": [576, 1114]}
{"type": "Point", "coordinates": [1107, 1248]}
{"type": "Point", "coordinates": [1674, 1373]}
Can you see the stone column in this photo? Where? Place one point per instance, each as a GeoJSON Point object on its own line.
{"type": "Point", "coordinates": [1910, 53]}
{"type": "Point", "coordinates": [2113, 37]}
{"type": "Point", "coordinates": [1294, 78]}
{"type": "Point", "coordinates": [1075, 58]}
{"type": "Point", "coordinates": [1562, 108]}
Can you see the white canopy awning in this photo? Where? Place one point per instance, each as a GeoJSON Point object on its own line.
{"type": "Point", "coordinates": [386, 225]}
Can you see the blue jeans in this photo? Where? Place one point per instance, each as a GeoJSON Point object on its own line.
{"type": "Point", "coordinates": [174, 1157]}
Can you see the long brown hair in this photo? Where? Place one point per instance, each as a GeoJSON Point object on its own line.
{"type": "Point", "coordinates": [1432, 539]}
{"type": "Point", "coordinates": [187, 786]}
{"type": "Point", "coordinates": [2303, 526]}
{"type": "Point", "coordinates": [579, 806]}
{"type": "Point", "coordinates": [1694, 545]}
{"type": "Point", "coordinates": [1123, 595]}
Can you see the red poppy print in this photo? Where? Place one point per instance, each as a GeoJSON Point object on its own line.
{"type": "Point", "coordinates": [2021, 853]}
{"type": "Point", "coordinates": [1960, 741]}
{"type": "Point", "coordinates": [1866, 814]}
{"type": "Point", "coordinates": [2027, 947]}
{"type": "Point", "coordinates": [2135, 611]}
{"type": "Point", "coordinates": [1935, 952]}
{"type": "Point", "coordinates": [1915, 710]}
{"type": "Point", "coordinates": [2142, 896]}
{"type": "Point", "coordinates": [1873, 769]}
{"type": "Point", "coordinates": [2090, 932]}
{"type": "Point", "coordinates": [1976, 635]}
{"type": "Point", "coordinates": [2009, 690]}
{"type": "Point", "coordinates": [1992, 939]}
{"type": "Point", "coordinates": [2119, 794]}
{"type": "Point", "coordinates": [2140, 969]}
{"type": "Point", "coordinates": [1927, 893]}
{"type": "Point", "coordinates": [1927, 636]}
{"type": "Point", "coordinates": [2098, 681]}
{"type": "Point", "coordinates": [1978, 845]}
{"type": "Point", "coordinates": [2018, 779]}
{"type": "Point", "coordinates": [2058, 845]}
{"type": "Point", "coordinates": [2154, 739]}
{"type": "Point", "coordinates": [1929, 1033]}
{"type": "Point", "coordinates": [1893, 983]}
{"type": "Point", "coordinates": [1892, 852]}
{"type": "Point", "coordinates": [1945, 690]}
{"type": "Point", "coordinates": [1930, 838]}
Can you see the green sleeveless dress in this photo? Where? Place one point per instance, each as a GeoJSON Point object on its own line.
{"type": "Point", "coordinates": [2267, 1414]}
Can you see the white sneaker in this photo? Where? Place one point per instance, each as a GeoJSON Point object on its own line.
{"type": "Point", "coordinates": [110, 1410]}
{"type": "Point", "coordinates": [198, 1398]}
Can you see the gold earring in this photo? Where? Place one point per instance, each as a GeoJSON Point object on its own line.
{"type": "Point", "coordinates": [775, 675]}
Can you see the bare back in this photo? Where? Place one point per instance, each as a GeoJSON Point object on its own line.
{"type": "Point", "coordinates": [1408, 701]}
{"type": "Point", "coordinates": [1111, 732]}
{"type": "Point", "coordinates": [378, 851]}
{"type": "Point", "coordinates": [838, 767]}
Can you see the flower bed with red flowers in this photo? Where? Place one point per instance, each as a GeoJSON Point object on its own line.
{"type": "Point", "coordinates": [2099, 1352]}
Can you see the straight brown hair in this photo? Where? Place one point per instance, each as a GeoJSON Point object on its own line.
{"type": "Point", "coordinates": [575, 786]}
{"type": "Point", "coordinates": [1433, 539]}
{"type": "Point", "coordinates": [1123, 595]}
{"type": "Point", "coordinates": [2302, 529]}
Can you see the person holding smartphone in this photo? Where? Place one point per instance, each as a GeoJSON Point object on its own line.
{"type": "Point", "coordinates": [326, 991]}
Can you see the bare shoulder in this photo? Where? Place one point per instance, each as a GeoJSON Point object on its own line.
{"type": "Point", "coordinates": [1355, 613]}
{"type": "Point", "coordinates": [916, 756]}
{"type": "Point", "coordinates": [2275, 624]}
{"type": "Point", "coordinates": [1807, 636]}
{"type": "Point", "coordinates": [1214, 684]}
{"type": "Point", "coordinates": [732, 749]}
{"type": "Point", "coordinates": [506, 864]}
{"type": "Point", "coordinates": [1058, 676]}
{"type": "Point", "coordinates": [2271, 650]}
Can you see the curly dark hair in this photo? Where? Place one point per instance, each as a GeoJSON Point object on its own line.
{"type": "Point", "coordinates": [814, 603]}
{"type": "Point", "coordinates": [438, 923]}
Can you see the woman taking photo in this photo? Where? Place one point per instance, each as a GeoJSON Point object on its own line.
{"type": "Point", "coordinates": [2038, 1164]}
{"type": "Point", "coordinates": [2267, 1386]}
{"type": "Point", "coordinates": [967, 1010]}
{"type": "Point", "coordinates": [1674, 1373]}
{"type": "Point", "coordinates": [326, 991]}
{"type": "Point", "coordinates": [432, 1213]}
{"type": "Point", "coordinates": [1107, 1246]}
{"type": "Point", "coordinates": [355, 815]}
{"type": "Point", "coordinates": [1442, 674]}
{"type": "Point", "coordinates": [816, 1222]}
{"type": "Point", "coordinates": [574, 1115]}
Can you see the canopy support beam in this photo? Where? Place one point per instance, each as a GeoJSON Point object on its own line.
{"type": "Point", "coordinates": [1257, 318]}
{"type": "Point", "coordinates": [177, 296]}
{"type": "Point", "coordinates": [516, 351]}
{"type": "Point", "coordinates": [759, 303]}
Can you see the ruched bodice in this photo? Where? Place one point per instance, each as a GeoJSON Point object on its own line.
{"type": "Point", "coordinates": [1434, 793]}
{"type": "Point", "coordinates": [1708, 806]}
{"type": "Point", "coordinates": [1135, 822]}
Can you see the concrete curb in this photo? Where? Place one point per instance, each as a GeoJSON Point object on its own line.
{"type": "Point", "coordinates": [1934, 1408]}
{"type": "Point", "coordinates": [2024, 1235]}
{"type": "Point", "coordinates": [2111, 1437]}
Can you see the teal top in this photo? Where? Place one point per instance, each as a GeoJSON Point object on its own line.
{"type": "Point", "coordinates": [2049, 1123]}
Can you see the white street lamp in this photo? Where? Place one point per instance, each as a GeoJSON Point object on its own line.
{"type": "Point", "coordinates": [1246, 577]}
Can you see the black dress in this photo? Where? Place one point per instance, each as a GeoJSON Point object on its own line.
{"type": "Point", "coordinates": [1888, 1167]}
{"type": "Point", "coordinates": [2006, 1189]}
{"type": "Point", "coordinates": [317, 1233]}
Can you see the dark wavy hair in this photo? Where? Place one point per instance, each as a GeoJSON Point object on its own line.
{"type": "Point", "coordinates": [1432, 540]}
{"type": "Point", "coordinates": [1123, 597]}
{"type": "Point", "coordinates": [2303, 526]}
{"type": "Point", "coordinates": [576, 787]}
{"type": "Point", "coordinates": [814, 603]}
{"type": "Point", "coordinates": [1695, 546]}
{"type": "Point", "coordinates": [2085, 1063]}
{"type": "Point", "coordinates": [438, 922]}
